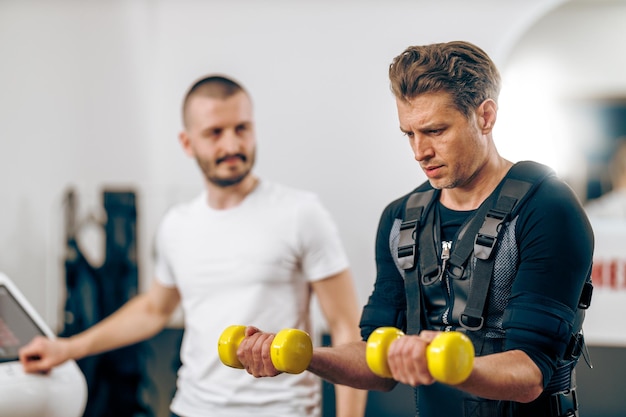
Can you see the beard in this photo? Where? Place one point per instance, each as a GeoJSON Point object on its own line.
{"type": "Point", "coordinates": [440, 184]}
{"type": "Point", "coordinates": [209, 168]}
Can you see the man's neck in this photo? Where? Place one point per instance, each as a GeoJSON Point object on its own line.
{"type": "Point", "coordinates": [471, 196]}
{"type": "Point", "coordinates": [224, 198]}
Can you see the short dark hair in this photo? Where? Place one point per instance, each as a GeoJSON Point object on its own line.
{"type": "Point", "coordinates": [459, 68]}
{"type": "Point", "coordinates": [213, 86]}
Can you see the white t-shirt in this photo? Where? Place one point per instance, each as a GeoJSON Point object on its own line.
{"type": "Point", "coordinates": [247, 265]}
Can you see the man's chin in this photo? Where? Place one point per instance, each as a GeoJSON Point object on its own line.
{"type": "Point", "coordinates": [227, 182]}
{"type": "Point", "coordinates": [436, 184]}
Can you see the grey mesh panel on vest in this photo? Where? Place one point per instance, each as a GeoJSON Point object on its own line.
{"type": "Point", "coordinates": [394, 239]}
{"type": "Point", "coordinates": [505, 268]}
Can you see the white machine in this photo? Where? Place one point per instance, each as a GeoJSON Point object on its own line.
{"type": "Point", "coordinates": [60, 393]}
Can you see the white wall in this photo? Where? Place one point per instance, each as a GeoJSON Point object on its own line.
{"type": "Point", "coordinates": [571, 54]}
{"type": "Point", "coordinates": [90, 95]}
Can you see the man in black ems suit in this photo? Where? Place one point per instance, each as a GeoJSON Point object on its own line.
{"type": "Point", "coordinates": [499, 251]}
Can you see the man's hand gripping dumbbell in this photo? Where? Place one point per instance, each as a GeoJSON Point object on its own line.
{"type": "Point", "coordinates": [290, 350]}
{"type": "Point", "coordinates": [449, 355]}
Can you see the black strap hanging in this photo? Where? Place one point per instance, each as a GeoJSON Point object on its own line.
{"type": "Point", "coordinates": [522, 178]}
{"type": "Point", "coordinates": [484, 243]}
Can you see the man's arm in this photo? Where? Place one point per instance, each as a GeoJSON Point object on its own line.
{"type": "Point", "coordinates": [338, 301]}
{"type": "Point", "coordinates": [509, 375]}
{"type": "Point", "coordinates": [140, 318]}
{"type": "Point", "coordinates": [346, 365]}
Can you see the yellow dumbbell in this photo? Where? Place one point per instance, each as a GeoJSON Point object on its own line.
{"type": "Point", "coordinates": [450, 356]}
{"type": "Point", "coordinates": [291, 349]}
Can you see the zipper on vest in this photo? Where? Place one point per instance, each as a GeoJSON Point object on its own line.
{"type": "Point", "coordinates": [446, 245]}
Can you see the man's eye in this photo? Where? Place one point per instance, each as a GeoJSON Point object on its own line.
{"type": "Point", "coordinates": [212, 133]}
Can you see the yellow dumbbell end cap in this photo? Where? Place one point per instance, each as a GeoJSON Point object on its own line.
{"type": "Point", "coordinates": [377, 347]}
{"type": "Point", "coordinates": [450, 357]}
{"type": "Point", "coordinates": [228, 343]}
{"type": "Point", "coordinates": [291, 351]}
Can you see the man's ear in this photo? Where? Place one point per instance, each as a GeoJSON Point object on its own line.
{"type": "Point", "coordinates": [487, 114]}
{"type": "Point", "coordinates": [185, 142]}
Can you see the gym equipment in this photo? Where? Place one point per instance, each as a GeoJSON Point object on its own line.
{"type": "Point", "coordinates": [117, 380]}
{"type": "Point", "coordinates": [291, 349]}
{"type": "Point", "coordinates": [450, 355]}
{"type": "Point", "coordinates": [60, 393]}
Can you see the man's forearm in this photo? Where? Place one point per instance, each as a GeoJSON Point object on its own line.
{"type": "Point", "coordinates": [346, 365]}
{"type": "Point", "coordinates": [132, 323]}
{"type": "Point", "coordinates": [508, 375]}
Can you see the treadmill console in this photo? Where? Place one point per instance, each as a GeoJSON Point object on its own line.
{"type": "Point", "coordinates": [60, 393]}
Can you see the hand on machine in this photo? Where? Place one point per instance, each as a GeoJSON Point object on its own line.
{"type": "Point", "coordinates": [291, 349]}
{"type": "Point", "coordinates": [450, 356]}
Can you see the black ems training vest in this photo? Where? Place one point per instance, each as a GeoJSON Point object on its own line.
{"type": "Point", "coordinates": [469, 268]}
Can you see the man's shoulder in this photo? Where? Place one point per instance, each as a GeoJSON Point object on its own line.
{"type": "Point", "coordinates": [555, 190]}
{"type": "Point", "coordinates": [183, 209]}
{"type": "Point", "coordinates": [286, 194]}
{"type": "Point", "coordinates": [554, 202]}
{"type": "Point", "coordinates": [396, 207]}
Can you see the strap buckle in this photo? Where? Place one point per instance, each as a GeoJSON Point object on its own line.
{"type": "Point", "coordinates": [406, 244]}
{"type": "Point", "coordinates": [575, 346]}
{"type": "Point", "coordinates": [487, 236]}
{"type": "Point", "coordinates": [470, 322]}
{"type": "Point", "coordinates": [564, 403]}
{"type": "Point", "coordinates": [585, 297]}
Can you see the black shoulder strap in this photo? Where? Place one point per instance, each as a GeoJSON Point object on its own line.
{"type": "Point", "coordinates": [416, 206]}
{"type": "Point", "coordinates": [519, 184]}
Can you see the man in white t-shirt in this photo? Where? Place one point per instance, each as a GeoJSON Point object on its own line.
{"type": "Point", "coordinates": [245, 251]}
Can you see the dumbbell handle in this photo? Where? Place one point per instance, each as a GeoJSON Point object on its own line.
{"type": "Point", "coordinates": [450, 356]}
{"type": "Point", "coordinates": [291, 350]}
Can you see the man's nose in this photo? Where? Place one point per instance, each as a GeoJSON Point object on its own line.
{"type": "Point", "coordinates": [422, 148]}
{"type": "Point", "coordinates": [230, 141]}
